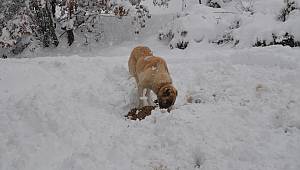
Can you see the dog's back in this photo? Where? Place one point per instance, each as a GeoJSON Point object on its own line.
{"type": "Point", "coordinates": [149, 71]}
{"type": "Point", "coordinates": [136, 54]}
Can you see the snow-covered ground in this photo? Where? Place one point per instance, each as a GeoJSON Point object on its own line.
{"type": "Point", "coordinates": [68, 112]}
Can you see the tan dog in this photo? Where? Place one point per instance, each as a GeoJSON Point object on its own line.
{"type": "Point", "coordinates": [151, 73]}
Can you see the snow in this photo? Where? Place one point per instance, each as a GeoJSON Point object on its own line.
{"type": "Point", "coordinates": [237, 108]}
{"type": "Point", "coordinates": [205, 24]}
{"type": "Point", "coordinates": [68, 112]}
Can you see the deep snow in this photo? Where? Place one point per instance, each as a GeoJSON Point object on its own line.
{"type": "Point", "coordinates": [68, 112]}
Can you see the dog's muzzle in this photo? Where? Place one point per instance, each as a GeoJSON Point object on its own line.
{"type": "Point", "coordinates": [165, 104]}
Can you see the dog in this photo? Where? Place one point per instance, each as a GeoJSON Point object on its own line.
{"type": "Point", "coordinates": [151, 73]}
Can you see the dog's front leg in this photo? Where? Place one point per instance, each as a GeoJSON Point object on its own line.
{"type": "Point", "coordinates": [142, 99]}
{"type": "Point", "coordinates": [149, 99]}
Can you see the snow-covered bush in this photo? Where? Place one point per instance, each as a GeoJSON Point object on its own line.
{"type": "Point", "coordinates": [51, 21]}
{"type": "Point", "coordinates": [199, 24]}
{"type": "Point", "coordinates": [287, 32]}
{"type": "Point", "coordinates": [139, 20]}
{"type": "Point", "coordinates": [43, 23]}
{"type": "Point", "coordinates": [245, 6]}
{"type": "Point", "coordinates": [166, 34]}
{"type": "Point", "coordinates": [290, 5]}
{"type": "Point", "coordinates": [120, 11]}
{"type": "Point", "coordinates": [227, 37]}
{"type": "Point", "coordinates": [88, 13]}
{"type": "Point", "coordinates": [26, 21]}
{"type": "Point", "coordinates": [241, 23]}
{"type": "Point", "coordinates": [284, 39]}
{"type": "Point", "coordinates": [179, 41]}
{"type": "Point", "coordinates": [16, 31]}
{"type": "Point", "coordinates": [213, 3]}
{"type": "Point", "coordinates": [15, 34]}
{"type": "Point", "coordinates": [161, 3]}
{"type": "Point", "coordinates": [174, 34]}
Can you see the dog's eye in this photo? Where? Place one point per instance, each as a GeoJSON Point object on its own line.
{"type": "Point", "coordinates": [167, 92]}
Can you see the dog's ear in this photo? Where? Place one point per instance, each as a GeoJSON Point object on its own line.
{"type": "Point", "coordinates": [176, 92]}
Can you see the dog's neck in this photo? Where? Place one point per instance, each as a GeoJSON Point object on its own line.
{"type": "Point", "coordinates": [160, 76]}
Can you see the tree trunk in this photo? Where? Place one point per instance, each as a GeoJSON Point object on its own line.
{"type": "Point", "coordinates": [70, 37]}
{"type": "Point", "coordinates": [44, 25]}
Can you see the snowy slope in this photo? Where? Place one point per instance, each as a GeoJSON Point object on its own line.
{"type": "Point", "coordinates": [239, 23]}
{"type": "Point", "coordinates": [59, 113]}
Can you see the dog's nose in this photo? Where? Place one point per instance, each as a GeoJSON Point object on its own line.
{"type": "Point", "coordinates": [165, 104]}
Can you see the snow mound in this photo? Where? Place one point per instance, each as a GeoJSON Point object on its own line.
{"type": "Point", "coordinates": [236, 24]}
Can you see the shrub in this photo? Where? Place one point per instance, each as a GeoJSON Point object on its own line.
{"type": "Point", "coordinates": [175, 36]}
{"type": "Point", "coordinates": [213, 4]}
{"type": "Point", "coordinates": [290, 5]}
{"type": "Point", "coordinates": [285, 40]}
{"type": "Point", "coordinates": [161, 3]}
{"type": "Point", "coordinates": [227, 37]}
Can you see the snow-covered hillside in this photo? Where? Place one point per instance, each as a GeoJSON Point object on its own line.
{"type": "Point", "coordinates": [238, 23]}
{"type": "Point", "coordinates": [68, 112]}
{"type": "Point", "coordinates": [238, 106]}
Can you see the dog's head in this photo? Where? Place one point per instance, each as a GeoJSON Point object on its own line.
{"type": "Point", "coordinates": [166, 96]}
